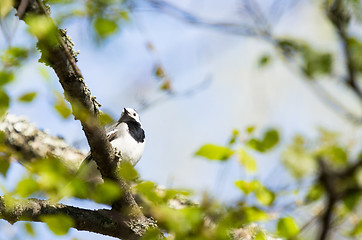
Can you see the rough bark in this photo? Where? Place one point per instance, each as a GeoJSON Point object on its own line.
{"type": "Point", "coordinates": [103, 221]}
{"type": "Point", "coordinates": [31, 143]}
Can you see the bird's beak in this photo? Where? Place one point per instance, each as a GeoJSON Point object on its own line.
{"type": "Point", "coordinates": [125, 116]}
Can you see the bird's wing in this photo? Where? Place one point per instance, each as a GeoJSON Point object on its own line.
{"type": "Point", "coordinates": [112, 132]}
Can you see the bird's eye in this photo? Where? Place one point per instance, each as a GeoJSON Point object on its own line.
{"type": "Point", "coordinates": [134, 114]}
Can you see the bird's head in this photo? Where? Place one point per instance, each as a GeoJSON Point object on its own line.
{"type": "Point", "coordinates": [129, 115]}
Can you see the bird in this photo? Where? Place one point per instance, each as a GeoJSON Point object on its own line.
{"type": "Point", "coordinates": [127, 136]}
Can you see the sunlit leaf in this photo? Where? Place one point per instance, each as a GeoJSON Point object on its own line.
{"type": "Point", "coordinates": [315, 192]}
{"type": "Point", "coordinates": [4, 164]}
{"type": "Point", "coordinates": [234, 136]}
{"type": "Point", "coordinates": [214, 152]}
{"type": "Point", "coordinates": [45, 74]}
{"type": "Point", "coordinates": [27, 97]}
{"type": "Point", "coordinates": [29, 229]}
{"type": "Point", "coordinates": [298, 159]}
{"type": "Point", "coordinates": [147, 189]}
{"type": "Point", "coordinates": [269, 140]}
{"type": "Point", "coordinates": [127, 171]}
{"type": "Point", "coordinates": [151, 234]}
{"type": "Point", "coordinates": [265, 196]}
{"type": "Point", "coordinates": [14, 56]}
{"type": "Point", "coordinates": [26, 187]}
{"type": "Point", "coordinates": [61, 106]}
{"type": "Point", "coordinates": [59, 224]}
{"type": "Point", "coordinates": [5, 7]}
{"type": "Point", "coordinates": [180, 221]}
{"type": "Point", "coordinates": [253, 214]}
{"type": "Point", "coordinates": [106, 119]}
{"type": "Point", "coordinates": [107, 192]}
{"type": "Point", "coordinates": [42, 27]}
{"type": "Point", "coordinates": [250, 129]}
{"type": "Point", "coordinates": [357, 230]}
{"type": "Point", "coordinates": [262, 193]}
{"type": "Point", "coordinates": [287, 227]}
{"type": "Point", "coordinates": [4, 102]}
{"type": "Point", "coordinates": [105, 27]}
{"type": "Point", "coordinates": [247, 161]}
{"type": "Point", "coordinates": [6, 77]}
{"type": "Point", "coordinates": [247, 187]}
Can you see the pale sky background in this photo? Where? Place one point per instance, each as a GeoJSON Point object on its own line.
{"type": "Point", "coordinates": [120, 74]}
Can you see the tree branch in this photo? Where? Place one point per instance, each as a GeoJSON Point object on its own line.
{"type": "Point", "coordinates": [31, 143]}
{"type": "Point", "coordinates": [106, 222]}
{"type": "Point", "coordinates": [340, 18]}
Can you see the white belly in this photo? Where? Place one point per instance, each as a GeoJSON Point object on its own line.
{"type": "Point", "coordinates": [130, 149]}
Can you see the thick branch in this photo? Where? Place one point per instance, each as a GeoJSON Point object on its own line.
{"type": "Point", "coordinates": [31, 143]}
{"type": "Point", "coordinates": [106, 222]}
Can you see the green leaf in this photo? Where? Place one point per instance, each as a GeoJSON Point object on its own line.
{"type": "Point", "coordinates": [357, 230]}
{"type": "Point", "coordinates": [5, 7]}
{"type": "Point", "coordinates": [4, 164]}
{"type": "Point", "coordinates": [107, 192]}
{"type": "Point", "coordinates": [6, 77]}
{"type": "Point", "coordinates": [42, 27]}
{"type": "Point", "coordinates": [105, 27]}
{"type": "Point", "coordinates": [270, 140]}
{"type": "Point", "coordinates": [250, 129]}
{"type": "Point", "coordinates": [265, 196]}
{"type": "Point", "coordinates": [147, 189]}
{"type": "Point", "coordinates": [106, 119]}
{"type": "Point", "coordinates": [262, 193]}
{"type": "Point", "coordinates": [253, 214]}
{"type": "Point", "coordinates": [234, 137]}
{"type": "Point", "coordinates": [214, 152]}
{"type": "Point", "coordinates": [59, 224]}
{"type": "Point", "coordinates": [247, 161]}
{"type": "Point", "coordinates": [287, 227]}
{"type": "Point", "coordinates": [151, 234]}
{"type": "Point", "coordinates": [315, 192]}
{"type": "Point", "coordinates": [29, 229]}
{"type": "Point", "coordinates": [13, 56]}
{"type": "Point", "coordinates": [334, 153]}
{"type": "Point", "coordinates": [61, 106]}
{"type": "Point", "coordinates": [26, 187]}
{"type": "Point", "coordinates": [247, 187]}
{"type": "Point", "coordinates": [27, 97]}
{"type": "Point", "coordinates": [351, 200]}
{"type": "Point", "coordinates": [181, 221]}
{"type": "Point", "coordinates": [4, 102]}
{"type": "Point", "coordinates": [45, 74]}
{"type": "Point", "coordinates": [297, 159]}
{"type": "Point", "coordinates": [127, 171]}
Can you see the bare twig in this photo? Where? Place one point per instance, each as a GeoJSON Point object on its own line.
{"type": "Point", "coordinates": [339, 16]}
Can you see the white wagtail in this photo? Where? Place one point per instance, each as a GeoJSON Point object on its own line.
{"type": "Point", "coordinates": [127, 136]}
